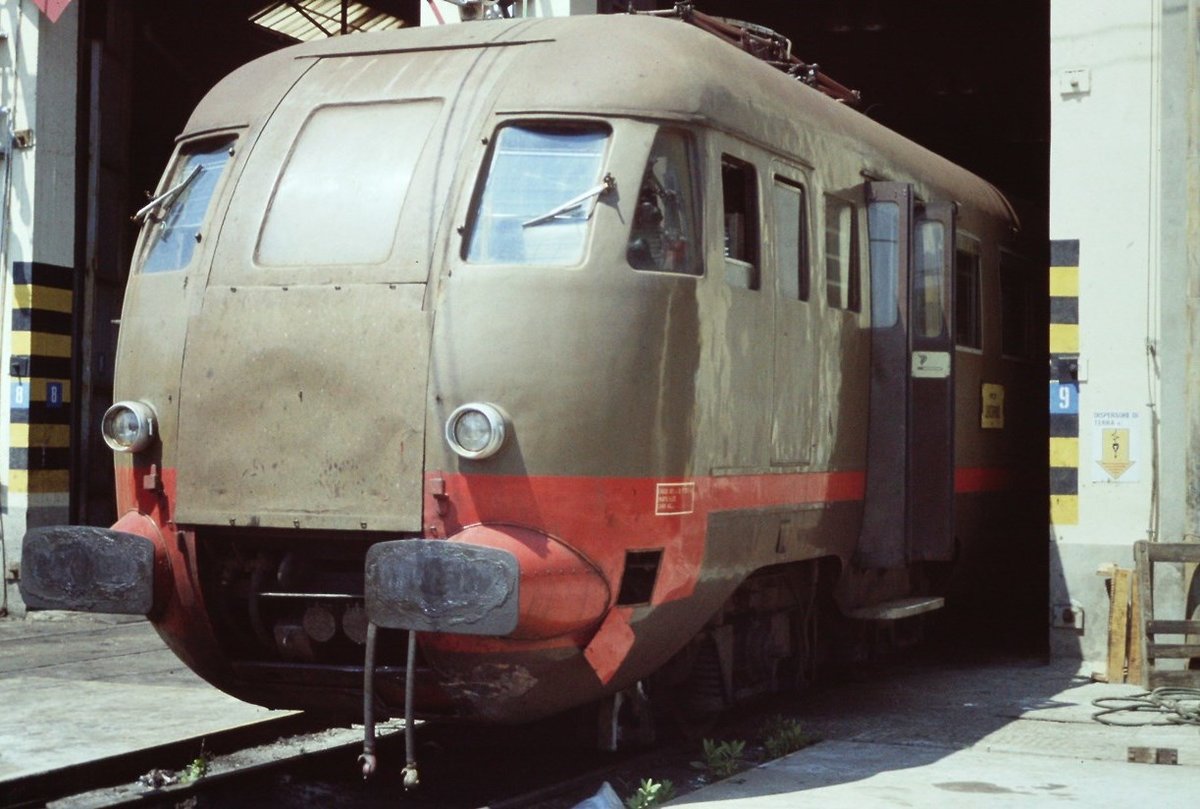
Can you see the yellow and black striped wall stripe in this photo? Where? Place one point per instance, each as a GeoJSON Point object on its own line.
{"type": "Point", "coordinates": [40, 379]}
{"type": "Point", "coordinates": [1064, 390]}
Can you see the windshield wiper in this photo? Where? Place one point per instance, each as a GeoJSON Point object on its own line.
{"type": "Point", "coordinates": [167, 198]}
{"type": "Point", "coordinates": [606, 185]}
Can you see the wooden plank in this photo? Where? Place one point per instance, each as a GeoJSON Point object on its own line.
{"type": "Point", "coordinates": [1174, 679]}
{"type": "Point", "coordinates": [1173, 551]}
{"type": "Point", "coordinates": [1173, 627]}
{"type": "Point", "coordinates": [1175, 651]}
{"type": "Point", "coordinates": [1118, 625]}
{"type": "Point", "coordinates": [1140, 599]}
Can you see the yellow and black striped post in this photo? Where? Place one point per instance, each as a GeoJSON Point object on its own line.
{"type": "Point", "coordinates": [1064, 382]}
{"type": "Point", "coordinates": [40, 394]}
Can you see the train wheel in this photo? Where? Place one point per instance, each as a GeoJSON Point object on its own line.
{"type": "Point", "coordinates": [688, 694]}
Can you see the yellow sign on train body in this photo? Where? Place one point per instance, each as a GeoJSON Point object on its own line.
{"type": "Point", "coordinates": [991, 415]}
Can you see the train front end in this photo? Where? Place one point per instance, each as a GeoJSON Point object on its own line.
{"type": "Point", "coordinates": [327, 425]}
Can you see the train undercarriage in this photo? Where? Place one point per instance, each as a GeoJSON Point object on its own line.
{"type": "Point", "coordinates": [291, 618]}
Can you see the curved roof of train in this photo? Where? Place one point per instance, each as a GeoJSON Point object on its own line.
{"type": "Point", "coordinates": [636, 65]}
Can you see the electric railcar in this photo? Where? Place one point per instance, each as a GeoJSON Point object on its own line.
{"type": "Point", "coordinates": [593, 351]}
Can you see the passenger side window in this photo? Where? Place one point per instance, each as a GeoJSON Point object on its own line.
{"type": "Point", "coordinates": [968, 323]}
{"type": "Point", "coordinates": [791, 225]}
{"type": "Point", "coordinates": [739, 186]}
{"type": "Point", "coordinates": [841, 255]}
{"type": "Point", "coordinates": [663, 236]}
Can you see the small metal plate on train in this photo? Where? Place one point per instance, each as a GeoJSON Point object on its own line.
{"type": "Point", "coordinates": [442, 586]}
{"type": "Point", "coordinates": [931, 364]}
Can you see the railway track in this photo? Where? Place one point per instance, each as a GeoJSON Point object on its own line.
{"type": "Point", "coordinates": [295, 761]}
{"type": "Point", "coordinates": [157, 773]}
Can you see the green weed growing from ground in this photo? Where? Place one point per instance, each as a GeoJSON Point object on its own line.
{"type": "Point", "coordinates": [651, 793]}
{"type": "Point", "coordinates": [783, 735]}
{"type": "Point", "coordinates": [722, 759]}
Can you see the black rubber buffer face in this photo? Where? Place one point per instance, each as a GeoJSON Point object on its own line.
{"type": "Point", "coordinates": [441, 586]}
{"type": "Point", "coordinates": [87, 569]}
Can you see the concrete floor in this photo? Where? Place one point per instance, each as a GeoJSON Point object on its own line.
{"type": "Point", "coordinates": [76, 688]}
{"type": "Point", "coordinates": [970, 735]}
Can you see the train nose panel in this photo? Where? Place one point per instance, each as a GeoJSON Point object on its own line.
{"type": "Point", "coordinates": [304, 407]}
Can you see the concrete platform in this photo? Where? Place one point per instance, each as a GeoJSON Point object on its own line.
{"type": "Point", "coordinates": [77, 688]}
{"type": "Point", "coordinates": [970, 735]}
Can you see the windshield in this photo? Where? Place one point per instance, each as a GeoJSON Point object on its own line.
{"type": "Point", "coordinates": [176, 217]}
{"type": "Point", "coordinates": [538, 196]}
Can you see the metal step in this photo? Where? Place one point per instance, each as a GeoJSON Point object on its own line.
{"type": "Point", "coordinates": [900, 608]}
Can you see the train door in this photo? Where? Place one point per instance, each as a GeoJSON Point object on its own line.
{"type": "Point", "coordinates": [743, 386]}
{"type": "Point", "coordinates": [792, 428]}
{"type": "Point", "coordinates": [909, 509]}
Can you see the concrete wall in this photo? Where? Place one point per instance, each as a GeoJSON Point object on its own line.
{"type": "Point", "coordinates": [38, 79]}
{"type": "Point", "coordinates": [1122, 76]}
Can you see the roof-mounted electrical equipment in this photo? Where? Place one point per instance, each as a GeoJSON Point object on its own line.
{"type": "Point", "coordinates": [764, 43]}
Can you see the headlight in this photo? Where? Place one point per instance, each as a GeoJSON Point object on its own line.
{"type": "Point", "coordinates": [476, 430]}
{"type": "Point", "coordinates": [128, 426]}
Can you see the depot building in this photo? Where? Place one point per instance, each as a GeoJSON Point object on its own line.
{"type": "Point", "coordinates": [1080, 111]}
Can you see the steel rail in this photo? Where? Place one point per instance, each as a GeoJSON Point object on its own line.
{"type": "Point", "coordinates": [110, 771]}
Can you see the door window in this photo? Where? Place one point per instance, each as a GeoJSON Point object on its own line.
{"type": "Point", "coordinates": [791, 225]}
{"type": "Point", "coordinates": [841, 254]}
{"type": "Point", "coordinates": [929, 278]}
{"type": "Point", "coordinates": [739, 187]}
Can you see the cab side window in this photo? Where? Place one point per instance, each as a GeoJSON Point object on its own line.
{"type": "Point", "coordinates": [739, 189]}
{"type": "Point", "coordinates": [664, 233]}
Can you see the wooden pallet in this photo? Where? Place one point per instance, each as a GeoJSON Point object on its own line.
{"type": "Point", "coordinates": [1146, 555]}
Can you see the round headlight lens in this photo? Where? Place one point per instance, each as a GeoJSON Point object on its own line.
{"type": "Point", "coordinates": [476, 430]}
{"type": "Point", "coordinates": [128, 426]}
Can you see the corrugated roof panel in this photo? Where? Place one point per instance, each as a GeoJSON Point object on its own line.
{"type": "Point", "coordinates": [306, 20]}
